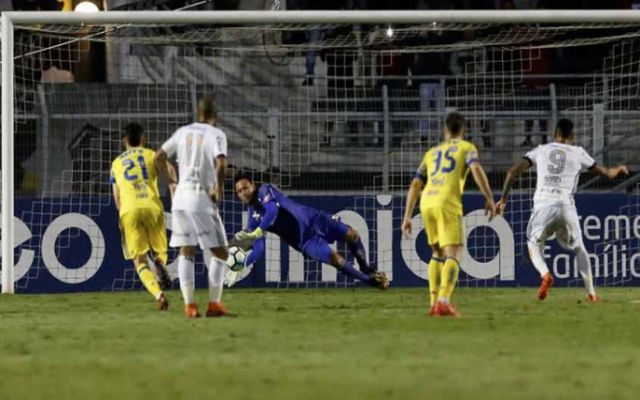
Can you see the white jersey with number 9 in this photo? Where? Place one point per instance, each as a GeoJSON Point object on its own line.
{"type": "Point", "coordinates": [558, 168]}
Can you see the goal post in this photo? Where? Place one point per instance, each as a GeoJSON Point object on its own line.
{"type": "Point", "coordinates": [471, 86]}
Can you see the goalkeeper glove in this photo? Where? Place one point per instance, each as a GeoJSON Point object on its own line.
{"type": "Point", "coordinates": [231, 277]}
{"type": "Point", "coordinates": [244, 236]}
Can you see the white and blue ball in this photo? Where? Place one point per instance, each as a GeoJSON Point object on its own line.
{"type": "Point", "coordinates": [236, 259]}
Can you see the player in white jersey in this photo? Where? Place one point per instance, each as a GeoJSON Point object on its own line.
{"type": "Point", "coordinates": [558, 167]}
{"type": "Point", "coordinates": [201, 151]}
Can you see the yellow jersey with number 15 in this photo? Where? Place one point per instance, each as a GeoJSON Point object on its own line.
{"type": "Point", "coordinates": [135, 175]}
{"type": "Point", "coordinates": [445, 168]}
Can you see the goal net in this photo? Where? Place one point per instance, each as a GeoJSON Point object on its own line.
{"type": "Point", "coordinates": [338, 115]}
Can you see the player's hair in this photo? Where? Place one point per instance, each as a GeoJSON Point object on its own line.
{"type": "Point", "coordinates": [564, 128]}
{"type": "Point", "coordinates": [242, 175]}
{"type": "Point", "coordinates": [133, 132]}
{"type": "Point", "coordinates": [454, 123]}
{"type": "Point", "coordinates": [207, 109]}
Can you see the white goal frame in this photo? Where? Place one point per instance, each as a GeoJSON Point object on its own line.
{"type": "Point", "coordinates": [10, 19]}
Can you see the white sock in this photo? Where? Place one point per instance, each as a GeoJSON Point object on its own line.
{"type": "Point", "coordinates": [584, 266]}
{"type": "Point", "coordinates": [216, 279]}
{"type": "Point", "coordinates": [535, 252]}
{"type": "Point", "coordinates": [186, 274]}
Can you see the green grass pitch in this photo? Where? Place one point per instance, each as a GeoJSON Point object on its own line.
{"type": "Point", "coordinates": [323, 344]}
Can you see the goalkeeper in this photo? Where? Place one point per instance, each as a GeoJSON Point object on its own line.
{"type": "Point", "coordinates": [306, 229]}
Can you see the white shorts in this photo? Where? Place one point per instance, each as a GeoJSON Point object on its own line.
{"type": "Point", "coordinates": [193, 228]}
{"type": "Point", "coordinates": [555, 218]}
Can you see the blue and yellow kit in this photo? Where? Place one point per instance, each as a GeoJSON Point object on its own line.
{"type": "Point", "coordinates": [141, 210]}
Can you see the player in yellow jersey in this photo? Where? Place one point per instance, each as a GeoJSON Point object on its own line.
{"type": "Point", "coordinates": [444, 169]}
{"type": "Point", "coordinates": [134, 178]}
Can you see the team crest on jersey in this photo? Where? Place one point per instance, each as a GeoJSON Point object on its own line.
{"type": "Point", "coordinates": [255, 215]}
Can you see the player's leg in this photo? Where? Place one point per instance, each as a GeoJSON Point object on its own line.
{"type": "Point", "coordinates": [541, 226]}
{"type": "Point", "coordinates": [584, 266]}
{"type": "Point", "coordinates": [332, 229]}
{"type": "Point", "coordinates": [148, 279]}
{"type": "Point", "coordinates": [318, 249]}
{"type": "Point", "coordinates": [434, 269]}
{"type": "Point", "coordinates": [217, 269]}
{"type": "Point", "coordinates": [183, 235]}
{"type": "Point", "coordinates": [450, 239]}
{"type": "Point", "coordinates": [449, 279]}
{"type": "Point", "coordinates": [158, 244]}
{"type": "Point", "coordinates": [356, 248]}
{"type": "Point", "coordinates": [136, 238]}
{"type": "Point", "coordinates": [570, 237]}
{"type": "Point", "coordinates": [214, 238]}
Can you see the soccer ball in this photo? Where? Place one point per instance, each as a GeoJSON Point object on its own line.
{"type": "Point", "coordinates": [236, 259]}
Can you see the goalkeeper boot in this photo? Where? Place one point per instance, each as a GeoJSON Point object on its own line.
{"type": "Point", "coordinates": [593, 298]}
{"type": "Point", "coordinates": [163, 277]}
{"type": "Point", "coordinates": [547, 282]}
{"type": "Point", "coordinates": [217, 310]}
{"type": "Point", "coordinates": [191, 311]}
{"type": "Point", "coordinates": [379, 280]}
{"type": "Point", "coordinates": [162, 303]}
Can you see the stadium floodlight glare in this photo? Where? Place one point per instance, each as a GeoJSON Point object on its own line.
{"type": "Point", "coordinates": [389, 32]}
{"type": "Point", "coordinates": [86, 7]}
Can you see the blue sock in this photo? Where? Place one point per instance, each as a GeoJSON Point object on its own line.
{"type": "Point", "coordinates": [357, 249]}
{"type": "Point", "coordinates": [354, 273]}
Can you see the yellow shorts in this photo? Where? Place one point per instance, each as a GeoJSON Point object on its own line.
{"type": "Point", "coordinates": [443, 227]}
{"type": "Point", "coordinates": [143, 231]}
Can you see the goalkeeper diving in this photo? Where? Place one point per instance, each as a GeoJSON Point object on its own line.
{"type": "Point", "coordinates": [306, 229]}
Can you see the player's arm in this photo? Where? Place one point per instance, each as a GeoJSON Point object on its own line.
{"type": "Point", "coordinates": [221, 171]}
{"type": "Point", "coordinates": [253, 232]}
{"type": "Point", "coordinates": [480, 177]}
{"type": "Point", "coordinates": [165, 170]}
{"type": "Point", "coordinates": [115, 190]}
{"type": "Point", "coordinates": [609, 172]}
{"type": "Point", "coordinates": [220, 153]}
{"type": "Point", "coordinates": [413, 195]}
{"type": "Point", "coordinates": [257, 252]}
{"type": "Point", "coordinates": [116, 196]}
{"type": "Point", "coordinates": [514, 172]}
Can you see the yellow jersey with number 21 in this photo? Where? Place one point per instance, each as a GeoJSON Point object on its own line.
{"type": "Point", "coordinates": [135, 174]}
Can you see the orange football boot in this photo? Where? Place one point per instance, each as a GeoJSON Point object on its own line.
{"type": "Point", "coordinates": [191, 311]}
{"type": "Point", "coordinates": [593, 298]}
{"type": "Point", "coordinates": [217, 310]}
{"type": "Point", "coordinates": [447, 310]}
{"type": "Point", "coordinates": [547, 282]}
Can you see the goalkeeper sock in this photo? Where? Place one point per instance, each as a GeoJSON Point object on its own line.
{"type": "Point", "coordinates": [357, 249]}
{"type": "Point", "coordinates": [149, 280]}
{"type": "Point", "coordinates": [186, 274]}
{"type": "Point", "coordinates": [348, 270]}
{"type": "Point", "coordinates": [434, 268]}
{"type": "Point", "coordinates": [535, 253]}
{"type": "Point", "coordinates": [584, 266]}
{"type": "Point", "coordinates": [448, 279]}
{"type": "Point", "coordinates": [216, 279]}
